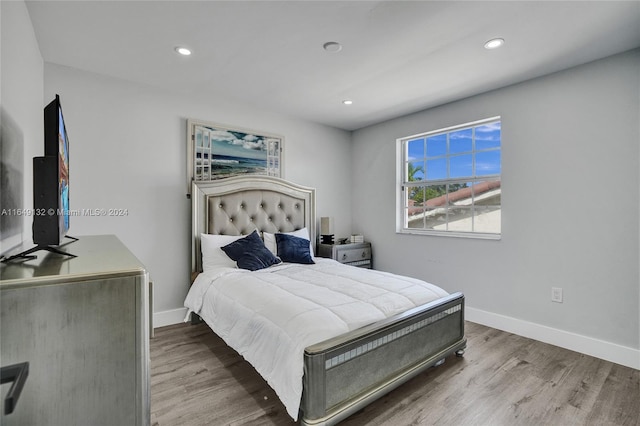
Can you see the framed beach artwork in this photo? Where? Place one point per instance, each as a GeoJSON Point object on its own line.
{"type": "Point", "coordinates": [217, 151]}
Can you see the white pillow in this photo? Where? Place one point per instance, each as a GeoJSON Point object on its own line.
{"type": "Point", "coordinates": [212, 255]}
{"type": "Point", "coordinates": [270, 239]}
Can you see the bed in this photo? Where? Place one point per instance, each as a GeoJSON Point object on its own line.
{"type": "Point", "coordinates": [327, 337]}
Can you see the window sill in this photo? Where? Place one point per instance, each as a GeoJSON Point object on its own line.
{"type": "Point", "coordinates": [472, 235]}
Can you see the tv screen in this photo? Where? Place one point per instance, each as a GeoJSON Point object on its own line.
{"type": "Point", "coordinates": [51, 180]}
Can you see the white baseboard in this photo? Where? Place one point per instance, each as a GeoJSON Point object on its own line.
{"type": "Point", "coordinates": [608, 351]}
{"type": "Point", "coordinates": [164, 318]}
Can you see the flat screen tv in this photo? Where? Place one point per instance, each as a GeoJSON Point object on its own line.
{"type": "Point", "coordinates": [50, 187]}
{"type": "Point", "coordinates": [51, 180]}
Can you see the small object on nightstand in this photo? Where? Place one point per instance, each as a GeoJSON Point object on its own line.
{"type": "Point", "coordinates": [326, 239]}
{"type": "Point", "coordinates": [326, 230]}
{"type": "Point", "coordinates": [357, 238]}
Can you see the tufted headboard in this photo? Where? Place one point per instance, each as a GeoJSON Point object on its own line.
{"type": "Point", "coordinates": [239, 205]}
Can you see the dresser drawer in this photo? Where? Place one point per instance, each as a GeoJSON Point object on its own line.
{"type": "Point", "coordinates": [348, 255]}
{"type": "Point", "coordinates": [355, 254]}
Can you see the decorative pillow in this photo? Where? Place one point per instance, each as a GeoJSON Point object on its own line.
{"type": "Point", "coordinates": [293, 249]}
{"type": "Point", "coordinates": [212, 256]}
{"type": "Point", "coordinates": [250, 253]}
{"type": "Point", "coordinates": [270, 239]}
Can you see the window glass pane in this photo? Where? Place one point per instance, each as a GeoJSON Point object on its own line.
{"type": "Point", "coordinates": [461, 166]}
{"type": "Point", "coordinates": [487, 219]}
{"type": "Point", "coordinates": [415, 171]}
{"type": "Point", "coordinates": [460, 141]}
{"type": "Point", "coordinates": [415, 149]}
{"type": "Point", "coordinates": [488, 163]}
{"type": "Point", "coordinates": [436, 219]}
{"type": "Point", "coordinates": [273, 164]}
{"type": "Point", "coordinates": [415, 221]}
{"type": "Point", "coordinates": [437, 145]}
{"type": "Point", "coordinates": [488, 136]}
{"type": "Point", "coordinates": [415, 207]}
{"type": "Point", "coordinates": [273, 148]}
{"type": "Point", "coordinates": [198, 137]}
{"type": "Point", "coordinates": [459, 194]}
{"type": "Point", "coordinates": [460, 219]}
{"type": "Point", "coordinates": [415, 197]}
{"type": "Point", "coordinates": [487, 193]}
{"type": "Point", "coordinates": [437, 169]}
{"type": "Point", "coordinates": [435, 195]}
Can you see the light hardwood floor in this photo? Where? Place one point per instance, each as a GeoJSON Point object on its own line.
{"type": "Point", "coordinates": [503, 379]}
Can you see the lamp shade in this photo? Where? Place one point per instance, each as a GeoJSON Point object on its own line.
{"type": "Point", "coordinates": [326, 226]}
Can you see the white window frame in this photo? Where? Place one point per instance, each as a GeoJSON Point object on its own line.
{"type": "Point", "coordinates": [402, 182]}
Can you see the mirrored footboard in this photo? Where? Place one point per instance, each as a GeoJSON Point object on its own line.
{"type": "Point", "coordinates": [345, 373]}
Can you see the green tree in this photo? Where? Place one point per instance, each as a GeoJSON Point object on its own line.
{"type": "Point", "coordinates": [416, 194]}
{"type": "Point", "coordinates": [412, 170]}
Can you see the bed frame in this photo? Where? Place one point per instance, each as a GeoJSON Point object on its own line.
{"type": "Point", "coordinates": [347, 372]}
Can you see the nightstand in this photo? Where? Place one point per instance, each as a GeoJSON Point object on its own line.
{"type": "Point", "coordinates": [356, 254]}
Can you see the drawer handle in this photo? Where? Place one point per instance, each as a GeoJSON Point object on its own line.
{"type": "Point", "coordinates": [364, 254]}
{"type": "Point", "coordinates": [344, 256]}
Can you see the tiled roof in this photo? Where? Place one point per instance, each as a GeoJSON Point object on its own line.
{"type": "Point", "coordinates": [461, 194]}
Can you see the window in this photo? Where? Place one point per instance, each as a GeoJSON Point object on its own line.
{"type": "Point", "coordinates": [449, 181]}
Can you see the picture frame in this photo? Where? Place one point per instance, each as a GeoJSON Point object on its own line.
{"type": "Point", "coordinates": [217, 151]}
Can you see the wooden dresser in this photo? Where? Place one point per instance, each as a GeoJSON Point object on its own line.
{"type": "Point", "coordinates": [82, 324]}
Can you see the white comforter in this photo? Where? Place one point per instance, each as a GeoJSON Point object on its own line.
{"type": "Point", "coordinates": [270, 316]}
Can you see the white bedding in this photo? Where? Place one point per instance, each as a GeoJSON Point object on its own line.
{"type": "Point", "coordinates": [269, 316]}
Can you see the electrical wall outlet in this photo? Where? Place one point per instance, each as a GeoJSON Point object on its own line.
{"type": "Point", "coordinates": [556, 294]}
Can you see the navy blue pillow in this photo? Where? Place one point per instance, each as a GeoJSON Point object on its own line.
{"type": "Point", "coordinates": [250, 253]}
{"type": "Point", "coordinates": [293, 249]}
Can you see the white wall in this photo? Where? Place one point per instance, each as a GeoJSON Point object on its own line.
{"type": "Point", "coordinates": [21, 88]}
{"type": "Point", "coordinates": [569, 207]}
{"type": "Point", "coordinates": [128, 150]}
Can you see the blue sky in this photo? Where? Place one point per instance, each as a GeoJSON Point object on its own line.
{"type": "Point", "coordinates": [434, 160]}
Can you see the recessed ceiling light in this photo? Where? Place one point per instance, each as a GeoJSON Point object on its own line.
{"type": "Point", "coordinates": [183, 51]}
{"type": "Point", "coordinates": [494, 43]}
{"type": "Point", "coordinates": [332, 46]}
{"type": "Point", "coordinates": [347, 102]}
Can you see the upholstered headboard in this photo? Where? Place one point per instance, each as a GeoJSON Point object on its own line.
{"type": "Point", "coordinates": [239, 205]}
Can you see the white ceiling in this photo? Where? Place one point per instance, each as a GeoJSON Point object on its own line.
{"type": "Point", "coordinates": [398, 57]}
